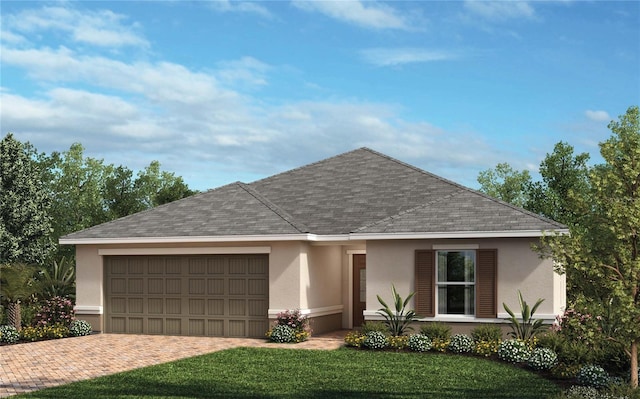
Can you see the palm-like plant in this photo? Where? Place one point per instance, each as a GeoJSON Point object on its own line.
{"type": "Point", "coordinates": [398, 320]}
{"type": "Point", "coordinates": [58, 280]}
{"type": "Point", "coordinates": [529, 327]}
{"type": "Point", "coordinates": [16, 284]}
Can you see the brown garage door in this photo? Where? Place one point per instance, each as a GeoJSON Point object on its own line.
{"type": "Point", "coordinates": [214, 295]}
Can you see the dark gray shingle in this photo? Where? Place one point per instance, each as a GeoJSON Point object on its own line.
{"type": "Point", "coordinates": [361, 191]}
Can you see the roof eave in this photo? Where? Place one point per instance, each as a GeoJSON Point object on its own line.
{"type": "Point", "coordinates": [313, 237]}
{"type": "Point", "coordinates": [457, 234]}
{"type": "Point", "coordinates": [203, 239]}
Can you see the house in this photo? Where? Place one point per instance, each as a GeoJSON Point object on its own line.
{"type": "Point", "coordinates": [325, 238]}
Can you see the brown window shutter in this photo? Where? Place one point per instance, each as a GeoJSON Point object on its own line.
{"type": "Point", "coordinates": [487, 283]}
{"type": "Point", "coordinates": [425, 284]}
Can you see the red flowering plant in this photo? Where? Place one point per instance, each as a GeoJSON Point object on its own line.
{"type": "Point", "coordinates": [57, 310]}
{"type": "Point", "coordinates": [290, 326]}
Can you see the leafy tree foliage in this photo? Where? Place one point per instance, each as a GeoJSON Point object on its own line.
{"type": "Point", "coordinates": [564, 182]}
{"type": "Point", "coordinates": [506, 184]}
{"type": "Point", "coordinates": [603, 248]}
{"type": "Point", "coordinates": [16, 285]}
{"type": "Point", "coordinates": [25, 223]}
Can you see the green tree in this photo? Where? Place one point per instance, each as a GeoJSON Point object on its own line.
{"type": "Point", "coordinates": [25, 223]}
{"type": "Point", "coordinates": [16, 285]}
{"type": "Point", "coordinates": [564, 181]}
{"type": "Point", "coordinates": [603, 249]}
{"type": "Point", "coordinates": [506, 184]}
{"type": "Point", "coordinates": [160, 187]}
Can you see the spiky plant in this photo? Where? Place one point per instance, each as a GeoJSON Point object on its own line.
{"type": "Point", "coordinates": [529, 327]}
{"type": "Point", "coordinates": [58, 279]}
{"type": "Point", "coordinates": [399, 319]}
{"type": "Point", "coordinates": [16, 284]}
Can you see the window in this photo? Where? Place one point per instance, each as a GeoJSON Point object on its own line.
{"type": "Point", "coordinates": [455, 281]}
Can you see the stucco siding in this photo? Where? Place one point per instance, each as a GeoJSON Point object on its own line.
{"type": "Point", "coordinates": [519, 268]}
{"type": "Point", "coordinates": [90, 286]}
{"type": "Point", "coordinates": [323, 285]}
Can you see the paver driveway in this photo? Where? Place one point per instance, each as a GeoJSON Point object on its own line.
{"type": "Point", "coordinates": [32, 366]}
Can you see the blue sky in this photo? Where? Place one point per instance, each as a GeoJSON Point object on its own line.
{"type": "Point", "coordinates": [220, 91]}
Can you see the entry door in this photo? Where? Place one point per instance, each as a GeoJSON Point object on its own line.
{"type": "Point", "coordinates": [359, 288]}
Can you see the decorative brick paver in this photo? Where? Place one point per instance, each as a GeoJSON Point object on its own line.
{"type": "Point", "coordinates": [32, 366]}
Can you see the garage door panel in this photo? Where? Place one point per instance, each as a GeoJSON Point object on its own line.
{"type": "Point", "coordinates": [155, 305]}
{"type": "Point", "coordinates": [173, 286]}
{"type": "Point", "coordinates": [216, 295]}
{"type": "Point", "coordinates": [196, 306]}
{"type": "Point", "coordinates": [237, 286]}
{"type": "Point", "coordinates": [155, 286]}
{"type": "Point", "coordinates": [155, 326]}
{"type": "Point", "coordinates": [197, 286]}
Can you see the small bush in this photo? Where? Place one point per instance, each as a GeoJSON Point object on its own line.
{"type": "Point", "coordinates": [56, 310]}
{"type": "Point", "coordinates": [354, 339]}
{"type": "Point", "coordinates": [369, 326]}
{"type": "Point", "coordinates": [419, 343]}
{"type": "Point", "coordinates": [551, 340]}
{"type": "Point", "coordinates": [436, 330]}
{"type": "Point", "coordinates": [79, 328]}
{"type": "Point", "coordinates": [565, 371]}
{"type": "Point", "coordinates": [9, 334]}
{"type": "Point", "coordinates": [486, 332]}
{"type": "Point", "coordinates": [542, 359]}
{"type": "Point", "coordinates": [296, 321]}
{"type": "Point", "coordinates": [593, 376]}
{"type": "Point", "coordinates": [486, 348]}
{"type": "Point", "coordinates": [514, 351]}
{"type": "Point", "coordinates": [375, 340]}
{"type": "Point", "coordinates": [580, 392]}
{"type": "Point", "coordinates": [461, 343]}
{"type": "Point", "coordinates": [282, 334]}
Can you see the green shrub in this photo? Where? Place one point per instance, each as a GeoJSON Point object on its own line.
{"type": "Point", "coordinates": [593, 376]}
{"type": "Point", "coordinates": [542, 359]}
{"type": "Point", "coordinates": [564, 371]}
{"type": "Point", "coordinates": [461, 343]}
{"type": "Point", "coordinates": [514, 351]}
{"type": "Point", "coordinates": [282, 334]}
{"type": "Point", "coordinates": [369, 326]}
{"type": "Point", "coordinates": [419, 343]}
{"type": "Point", "coordinates": [575, 353]}
{"type": "Point", "coordinates": [486, 332]}
{"type": "Point", "coordinates": [79, 328]}
{"type": "Point", "coordinates": [436, 330]}
{"type": "Point", "coordinates": [551, 340]}
{"type": "Point", "coordinates": [9, 334]}
{"type": "Point", "coordinates": [375, 340]}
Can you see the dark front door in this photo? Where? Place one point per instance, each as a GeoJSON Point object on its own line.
{"type": "Point", "coordinates": [359, 288]}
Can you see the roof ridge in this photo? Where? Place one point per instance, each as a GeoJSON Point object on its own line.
{"type": "Point", "coordinates": [406, 211]}
{"type": "Point", "coordinates": [465, 188]}
{"type": "Point", "coordinates": [284, 215]}
{"type": "Point", "coordinates": [308, 165]}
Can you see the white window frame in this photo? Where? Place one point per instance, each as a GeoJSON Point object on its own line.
{"type": "Point", "coordinates": [439, 284]}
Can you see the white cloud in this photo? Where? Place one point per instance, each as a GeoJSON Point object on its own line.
{"type": "Point", "coordinates": [597, 116]}
{"type": "Point", "coordinates": [240, 6]}
{"type": "Point", "coordinates": [400, 56]}
{"type": "Point", "coordinates": [246, 70]}
{"type": "Point", "coordinates": [500, 10]}
{"type": "Point", "coordinates": [100, 28]}
{"type": "Point", "coordinates": [366, 14]}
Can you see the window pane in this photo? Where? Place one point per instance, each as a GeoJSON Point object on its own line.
{"type": "Point", "coordinates": [456, 299]}
{"type": "Point", "coordinates": [456, 266]}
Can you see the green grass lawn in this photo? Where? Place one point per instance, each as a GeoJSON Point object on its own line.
{"type": "Point", "coordinates": [289, 373]}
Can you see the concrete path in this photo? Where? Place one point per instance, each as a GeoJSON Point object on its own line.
{"type": "Point", "coordinates": [32, 366]}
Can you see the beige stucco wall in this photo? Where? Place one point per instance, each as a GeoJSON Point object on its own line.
{"type": "Point", "coordinates": [300, 275]}
{"type": "Point", "coordinates": [519, 268]}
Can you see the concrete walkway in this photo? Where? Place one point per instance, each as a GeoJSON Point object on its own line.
{"type": "Point", "coordinates": [32, 366]}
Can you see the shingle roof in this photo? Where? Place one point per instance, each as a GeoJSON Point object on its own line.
{"type": "Point", "coordinates": [361, 191]}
